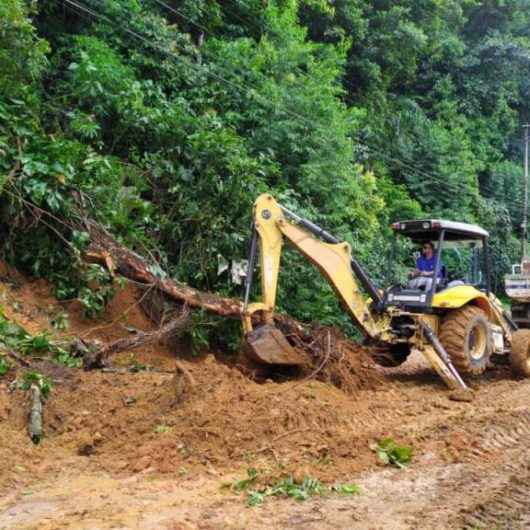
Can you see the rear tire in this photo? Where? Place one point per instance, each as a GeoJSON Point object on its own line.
{"type": "Point", "coordinates": [466, 336]}
{"type": "Point", "coordinates": [520, 353]}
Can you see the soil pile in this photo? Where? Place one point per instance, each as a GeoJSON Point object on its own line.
{"type": "Point", "coordinates": [337, 360]}
{"type": "Point", "coordinates": [122, 446]}
{"type": "Point", "coordinates": [211, 416]}
{"type": "Point", "coordinates": [199, 412]}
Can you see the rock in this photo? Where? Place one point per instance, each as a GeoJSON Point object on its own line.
{"type": "Point", "coordinates": [78, 348]}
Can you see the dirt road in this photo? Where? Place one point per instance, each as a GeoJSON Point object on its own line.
{"type": "Point", "coordinates": [471, 470]}
{"type": "Point", "coordinates": [139, 451]}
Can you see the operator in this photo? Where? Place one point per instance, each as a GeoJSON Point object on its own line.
{"type": "Point", "coordinates": [421, 276]}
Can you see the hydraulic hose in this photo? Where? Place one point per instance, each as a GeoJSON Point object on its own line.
{"type": "Point", "coordinates": [357, 268]}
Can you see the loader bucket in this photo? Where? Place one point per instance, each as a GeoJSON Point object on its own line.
{"type": "Point", "coordinates": [267, 345]}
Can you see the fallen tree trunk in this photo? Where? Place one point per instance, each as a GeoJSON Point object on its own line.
{"type": "Point", "coordinates": [104, 249]}
{"type": "Point", "coordinates": [35, 415]}
{"type": "Point", "coordinates": [331, 356]}
{"type": "Point", "coordinates": [96, 359]}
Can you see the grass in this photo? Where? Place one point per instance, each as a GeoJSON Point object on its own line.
{"type": "Point", "coordinates": [4, 366]}
{"type": "Point", "coordinates": [162, 429]}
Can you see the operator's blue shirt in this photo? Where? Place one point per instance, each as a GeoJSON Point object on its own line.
{"type": "Point", "coordinates": [424, 264]}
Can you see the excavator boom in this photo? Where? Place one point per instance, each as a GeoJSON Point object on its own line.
{"type": "Point", "coordinates": [272, 224]}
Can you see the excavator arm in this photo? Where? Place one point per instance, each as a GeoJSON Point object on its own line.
{"type": "Point", "coordinates": [273, 224]}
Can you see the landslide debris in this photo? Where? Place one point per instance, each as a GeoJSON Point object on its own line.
{"type": "Point", "coordinates": [194, 412]}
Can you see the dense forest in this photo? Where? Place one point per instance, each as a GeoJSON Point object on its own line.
{"type": "Point", "coordinates": [163, 120]}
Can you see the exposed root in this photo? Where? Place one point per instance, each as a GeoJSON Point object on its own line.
{"type": "Point", "coordinates": [173, 328]}
{"type": "Point", "coordinates": [333, 358]}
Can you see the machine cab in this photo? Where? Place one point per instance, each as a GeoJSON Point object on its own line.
{"type": "Point", "coordinates": [455, 271]}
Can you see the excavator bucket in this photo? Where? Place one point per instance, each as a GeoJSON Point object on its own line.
{"type": "Point", "coordinates": [267, 345]}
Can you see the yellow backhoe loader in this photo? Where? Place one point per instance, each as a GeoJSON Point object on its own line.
{"type": "Point", "coordinates": [456, 323]}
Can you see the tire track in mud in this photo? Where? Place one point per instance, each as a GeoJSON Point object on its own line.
{"type": "Point", "coordinates": [499, 436]}
{"type": "Point", "coordinates": [490, 489]}
{"type": "Point", "coordinates": [488, 485]}
{"type": "Point", "coordinates": [506, 508]}
{"type": "Point", "coordinates": [508, 505]}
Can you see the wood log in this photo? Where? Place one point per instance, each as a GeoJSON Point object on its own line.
{"type": "Point", "coordinates": [105, 250]}
{"type": "Point", "coordinates": [35, 415]}
{"type": "Point", "coordinates": [96, 359]}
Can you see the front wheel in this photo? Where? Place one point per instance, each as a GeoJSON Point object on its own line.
{"type": "Point", "coordinates": [520, 353]}
{"type": "Point", "coordinates": [466, 336]}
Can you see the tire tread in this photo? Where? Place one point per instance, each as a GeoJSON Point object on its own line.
{"type": "Point", "coordinates": [453, 334]}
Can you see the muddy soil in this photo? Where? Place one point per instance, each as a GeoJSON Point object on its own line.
{"type": "Point", "coordinates": [153, 449]}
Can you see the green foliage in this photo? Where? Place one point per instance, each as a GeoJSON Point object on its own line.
{"type": "Point", "coordinates": [165, 128]}
{"type": "Point", "coordinates": [95, 299]}
{"type": "Point", "coordinates": [346, 489]}
{"type": "Point", "coordinates": [299, 492]}
{"type": "Point", "coordinates": [162, 429]}
{"type": "Point", "coordinates": [287, 488]}
{"type": "Point", "coordinates": [35, 378]}
{"type": "Point", "coordinates": [35, 344]}
{"type": "Point", "coordinates": [206, 330]}
{"type": "Point", "coordinates": [60, 321]}
{"type": "Point", "coordinates": [245, 483]}
{"type": "Point", "coordinates": [136, 366]}
{"type": "Point", "coordinates": [22, 53]}
{"type": "Point", "coordinates": [13, 336]}
{"type": "Point", "coordinates": [4, 366]}
{"type": "Point", "coordinates": [390, 453]}
{"type": "Point", "coordinates": [63, 357]}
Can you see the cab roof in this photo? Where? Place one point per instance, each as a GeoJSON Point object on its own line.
{"type": "Point", "coordinates": [429, 229]}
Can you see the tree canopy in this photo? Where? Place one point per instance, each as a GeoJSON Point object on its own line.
{"type": "Point", "coordinates": [164, 120]}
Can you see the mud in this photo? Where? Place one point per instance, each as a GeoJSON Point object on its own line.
{"type": "Point", "coordinates": [153, 449]}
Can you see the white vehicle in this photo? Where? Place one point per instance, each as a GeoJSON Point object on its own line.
{"type": "Point", "coordinates": [517, 286]}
